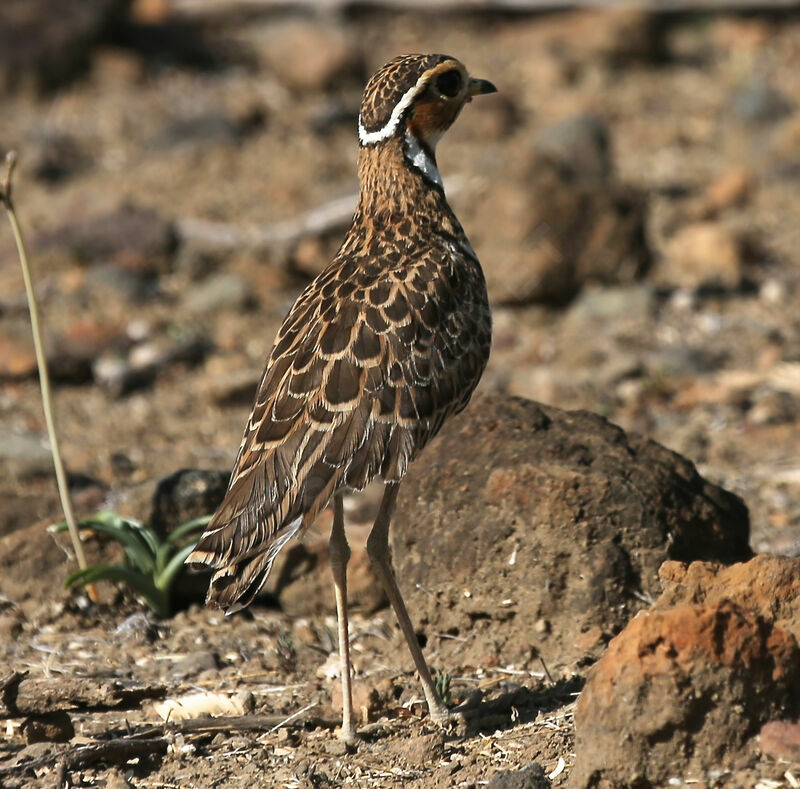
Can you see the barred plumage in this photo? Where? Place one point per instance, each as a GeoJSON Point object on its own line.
{"type": "Point", "coordinates": [385, 344]}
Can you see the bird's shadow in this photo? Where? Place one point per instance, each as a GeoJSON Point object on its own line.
{"type": "Point", "coordinates": [516, 706]}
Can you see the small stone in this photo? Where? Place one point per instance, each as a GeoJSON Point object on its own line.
{"type": "Point", "coordinates": [17, 356]}
{"type": "Point", "coordinates": [615, 36]}
{"type": "Point", "coordinates": [580, 144]}
{"type": "Point", "coordinates": [307, 55]}
{"type": "Point", "coordinates": [304, 632]}
{"type": "Point", "coordinates": [558, 231]}
{"type": "Point", "coordinates": [51, 727]}
{"type": "Point", "coordinates": [702, 255]}
{"type": "Point", "coordinates": [194, 664]}
{"type": "Point", "coordinates": [739, 34]}
{"type": "Point", "coordinates": [235, 387]}
{"type": "Point", "coordinates": [530, 777]}
{"type": "Point", "coordinates": [716, 653]}
{"type": "Point", "coordinates": [196, 130]}
{"type": "Point", "coordinates": [365, 699]}
{"type": "Point", "coordinates": [773, 291]}
{"type": "Point", "coordinates": [730, 189]}
{"type": "Point", "coordinates": [115, 779]}
{"type": "Point", "coordinates": [612, 304]}
{"type": "Point", "coordinates": [185, 495]}
{"type": "Point", "coordinates": [73, 352]}
{"type": "Point", "coordinates": [425, 749]}
{"type": "Point", "coordinates": [781, 740]}
{"type": "Point", "coordinates": [219, 292]}
{"type": "Point", "coordinates": [24, 456]}
{"type": "Point", "coordinates": [541, 626]}
{"type": "Point", "coordinates": [335, 747]}
{"type": "Point", "coordinates": [757, 102]}
{"type": "Point", "coordinates": [138, 238]}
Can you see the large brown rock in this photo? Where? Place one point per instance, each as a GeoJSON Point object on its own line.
{"type": "Point", "coordinates": [556, 520]}
{"type": "Point", "coordinates": [680, 692]}
{"type": "Point", "coordinates": [768, 586]}
{"type": "Point", "coordinates": [688, 684]}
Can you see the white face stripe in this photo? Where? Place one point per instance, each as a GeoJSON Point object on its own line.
{"type": "Point", "coordinates": [367, 138]}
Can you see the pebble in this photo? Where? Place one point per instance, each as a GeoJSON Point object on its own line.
{"type": "Point", "coordinates": [531, 777]}
{"type": "Point", "coordinates": [218, 292]}
{"type": "Point", "coordinates": [757, 102]}
{"type": "Point", "coordinates": [24, 456]}
{"type": "Point", "coordinates": [729, 189]}
{"type": "Point", "coordinates": [194, 664]}
{"type": "Point", "coordinates": [702, 255]}
{"type": "Point", "coordinates": [196, 130]}
{"type": "Point", "coordinates": [581, 144]}
{"type": "Point", "coordinates": [234, 388]}
{"type": "Point", "coordinates": [365, 699]}
{"type": "Point", "coordinates": [781, 740]}
{"type": "Point", "coordinates": [17, 356]}
{"type": "Point", "coordinates": [51, 727]}
{"type": "Point", "coordinates": [335, 747]}
{"type": "Point", "coordinates": [185, 495]}
{"type": "Point", "coordinates": [307, 55]}
{"type": "Point", "coordinates": [138, 238]}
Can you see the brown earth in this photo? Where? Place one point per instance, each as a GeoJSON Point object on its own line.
{"type": "Point", "coordinates": [689, 683]}
{"type": "Point", "coordinates": [633, 194]}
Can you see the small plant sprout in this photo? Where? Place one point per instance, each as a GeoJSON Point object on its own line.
{"type": "Point", "coordinates": [151, 564]}
{"type": "Point", "coordinates": [442, 682]}
{"type": "Point", "coordinates": [287, 654]}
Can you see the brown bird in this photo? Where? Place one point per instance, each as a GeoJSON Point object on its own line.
{"type": "Point", "coordinates": [384, 345]}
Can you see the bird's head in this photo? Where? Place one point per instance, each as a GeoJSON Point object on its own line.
{"type": "Point", "coordinates": [416, 98]}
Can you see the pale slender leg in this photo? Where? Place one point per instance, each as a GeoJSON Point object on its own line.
{"type": "Point", "coordinates": [378, 550]}
{"type": "Point", "coordinates": [340, 555]}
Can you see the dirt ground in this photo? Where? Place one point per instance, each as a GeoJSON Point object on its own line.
{"type": "Point", "coordinates": [248, 120]}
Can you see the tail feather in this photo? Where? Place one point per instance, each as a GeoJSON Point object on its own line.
{"type": "Point", "coordinates": [235, 585]}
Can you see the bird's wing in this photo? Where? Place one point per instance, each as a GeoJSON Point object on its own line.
{"type": "Point", "coordinates": [359, 379]}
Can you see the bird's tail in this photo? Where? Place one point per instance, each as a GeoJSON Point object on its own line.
{"type": "Point", "coordinates": [238, 578]}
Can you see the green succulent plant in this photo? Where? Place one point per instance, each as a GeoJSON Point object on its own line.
{"type": "Point", "coordinates": [151, 563]}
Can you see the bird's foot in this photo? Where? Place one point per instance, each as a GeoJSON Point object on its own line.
{"type": "Point", "coordinates": [452, 719]}
{"type": "Point", "coordinates": [348, 735]}
{"type": "Point", "coordinates": [458, 717]}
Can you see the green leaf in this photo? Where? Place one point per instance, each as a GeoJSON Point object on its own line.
{"type": "Point", "coordinates": [165, 578]}
{"type": "Point", "coordinates": [179, 532]}
{"type": "Point", "coordinates": [147, 534]}
{"type": "Point", "coordinates": [125, 531]}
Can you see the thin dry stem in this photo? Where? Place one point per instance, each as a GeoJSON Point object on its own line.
{"type": "Point", "coordinates": [41, 361]}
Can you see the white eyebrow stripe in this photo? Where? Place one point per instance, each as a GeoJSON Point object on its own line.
{"type": "Point", "coordinates": [367, 138]}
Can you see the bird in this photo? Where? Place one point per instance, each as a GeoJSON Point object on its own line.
{"type": "Point", "coordinates": [387, 342]}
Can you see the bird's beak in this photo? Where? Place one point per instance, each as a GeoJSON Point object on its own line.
{"type": "Point", "coordinates": [477, 87]}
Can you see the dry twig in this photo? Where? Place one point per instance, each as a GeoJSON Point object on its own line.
{"type": "Point", "coordinates": [6, 199]}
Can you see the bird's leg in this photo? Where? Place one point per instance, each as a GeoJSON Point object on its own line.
{"type": "Point", "coordinates": [339, 556]}
{"type": "Point", "coordinates": [378, 550]}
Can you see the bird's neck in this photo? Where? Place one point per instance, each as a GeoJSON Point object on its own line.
{"type": "Point", "coordinates": [399, 180]}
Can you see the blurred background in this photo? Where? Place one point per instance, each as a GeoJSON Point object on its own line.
{"type": "Point", "coordinates": [186, 166]}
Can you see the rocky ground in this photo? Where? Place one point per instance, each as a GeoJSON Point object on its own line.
{"type": "Point", "coordinates": [633, 193]}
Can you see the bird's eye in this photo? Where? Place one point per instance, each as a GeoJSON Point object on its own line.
{"type": "Point", "coordinates": [449, 83]}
